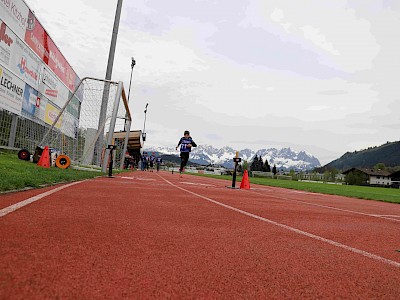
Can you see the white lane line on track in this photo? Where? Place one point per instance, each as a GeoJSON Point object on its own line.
{"type": "Point", "coordinates": [298, 231]}
{"type": "Point", "coordinates": [197, 184]}
{"type": "Point", "coordinates": [386, 217]}
{"type": "Point", "coordinates": [137, 178]}
{"type": "Point", "coordinates": [14, 207]}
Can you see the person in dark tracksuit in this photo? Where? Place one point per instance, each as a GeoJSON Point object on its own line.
{"type": "Point", "coordinates": [186, 143]}
{"type": "Point", "coordinates": [158, 163]}
{"type": "Point", "coordinates": [151, 161]}
{"type": "Point", "coordinates": [144, 161]}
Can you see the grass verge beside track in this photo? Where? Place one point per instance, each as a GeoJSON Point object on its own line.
{"type": "Point", "coordinates": [16, 174]}
{"type": "Point", "coordinates": [361, 192]}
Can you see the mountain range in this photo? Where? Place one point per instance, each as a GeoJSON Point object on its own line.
{"type": "Point", "coordinates": [284, 159]}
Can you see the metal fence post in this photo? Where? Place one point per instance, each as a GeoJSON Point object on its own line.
{"type": "Point", "coordinates": [112, 125]}
{"type": "Point", "coordinates": [13, 131]}
{"type": "Point", "coordinates": [128, 130]}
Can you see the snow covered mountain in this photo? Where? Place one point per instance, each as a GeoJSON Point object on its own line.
{"type": "Point", "coordinates": [284, 158]}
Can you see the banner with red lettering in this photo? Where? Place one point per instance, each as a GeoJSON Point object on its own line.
{"type": "Point", "coordinates": [38, 39]}
{"type": "Point", "coordinates": [53, 88]}
{"type": "Point", "coordinates": [26, 64]}
{"type": "Point", "coordinates": [7, 42]}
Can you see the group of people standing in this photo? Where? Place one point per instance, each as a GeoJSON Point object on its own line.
{"type": "Point", "coordinates": [149, 162]}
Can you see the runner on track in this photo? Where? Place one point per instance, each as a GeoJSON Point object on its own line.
{"type": "Point", "coordinates": [186, 143]}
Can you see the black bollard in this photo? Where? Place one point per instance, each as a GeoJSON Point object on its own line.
{"type": "Point", "coordinates": [236, 160]}
{"type": "Point", "coordinates": [110, 166]}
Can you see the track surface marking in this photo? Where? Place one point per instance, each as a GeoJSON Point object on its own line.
{"type": "Point", "coordinates": [387, 217]}
{"type": "Point", "coordinates": [336, 244]}
{"type": "Point", "coordinates": [18, 205]}
{"type": "Point", "coordinates": [136, 236]}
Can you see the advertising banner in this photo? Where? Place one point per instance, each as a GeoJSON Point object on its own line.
{"type": "Point", "coordinates": [7, 42]}
{"type": "Point", "coordinates": [40, 110]}
{"type": "Point", "coordinates": [74, 106]}
{"type": "Point", "coordinates": [11, 91]}
{"type": "Point", "coordinates": [25, 64]}
{"type": "Point", "coordinates": [53, 88]}
{"type": "Point", "coordinates": [38, 39]}
{"type": "Point", "coordinates": [30, 102]}
{"type": "Point", "coordinates": [15, 15]}
{"type": "Point", "coordinates": [51, 114]}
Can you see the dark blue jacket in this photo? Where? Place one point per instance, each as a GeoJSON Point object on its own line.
{"type": "Point", "coordinates": [184, 142]}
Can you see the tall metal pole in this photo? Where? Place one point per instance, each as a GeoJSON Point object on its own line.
{"type": "Point", "coordinates": [112, 125]}
{"type": "Point", "coordinates": [144, 124]}
{"type": "Point", "coordinates": [130, 82]}
{"type": "Point", "coordinates": [129, 91]}
{"type": "Point", "coordinates": [110, 64]}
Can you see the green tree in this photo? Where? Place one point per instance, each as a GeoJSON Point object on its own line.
{"type": "Point", "coordinates": [240, 168]}
{"type": "Point", "coordinates": [356, 177]}
{"type": "Point", "coordinates": [245, 165]}
{"type": "Point", "coordinates": [380, 166]}
{"type": "Point", "coordinates": [333, 173]}
{"type": "Point", "coordinates": [274, 170]}
{"type": "Point", "coordinates": [292, 173]}
{"type": "Point", "coordinates": [266, 166]}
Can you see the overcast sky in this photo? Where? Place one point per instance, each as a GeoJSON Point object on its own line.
{"type": "Point", "coordinates": [320, 76]}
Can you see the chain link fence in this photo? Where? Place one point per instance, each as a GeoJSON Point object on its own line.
{"type": "Point", "coordinates": [82, 129]}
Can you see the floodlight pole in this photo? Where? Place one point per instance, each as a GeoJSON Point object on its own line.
{"type": "Point", "coordinates": [130, 82]}
{"type": "Point", "coordinates": [110, 64]}
{"type": "Point", "coordinates": [129, 91]}
{"type": "Point", "coordinates": [144, 124]}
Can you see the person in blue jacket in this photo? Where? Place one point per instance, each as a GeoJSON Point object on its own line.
{"type": "Point", "coordinates": [158, 163]}
{"type": "Point", "coordinates": [186, 143]}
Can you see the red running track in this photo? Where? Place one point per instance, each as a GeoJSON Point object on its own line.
{"type": "Point", "coordinates": [146, 235]}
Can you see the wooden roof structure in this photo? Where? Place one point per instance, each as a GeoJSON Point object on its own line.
{"type": "Point", "coordinates": [135, 140]}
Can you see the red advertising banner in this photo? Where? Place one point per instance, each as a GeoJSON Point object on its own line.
{"type": "Point", "coordinates": [38, 39]}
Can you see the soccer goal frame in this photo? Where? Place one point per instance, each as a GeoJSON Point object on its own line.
{"type": "Point", "coordinates": [100, 101]}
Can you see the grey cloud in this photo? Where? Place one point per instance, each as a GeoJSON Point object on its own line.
{"type": "Point", "coordinates": [333, 92]}
{"type": "Point", "coordinates": [260, 48]}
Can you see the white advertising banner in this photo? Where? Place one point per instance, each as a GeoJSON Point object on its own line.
{"type": "Point", "coordinates": [11, 91]}
{"type": "Point", "coordinates": [15, 14]}
{"type": "Point", "coordinates": [53, 88]}
{"type": "Point", "coordinates": [25, 63]}
{"type": "Point", "coordinates": [7, 42]}
{"type": "Point", "coordinates": [40, 110]}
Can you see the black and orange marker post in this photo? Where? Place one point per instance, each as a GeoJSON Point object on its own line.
{"type": "Point", "coordinates": [236, 160]}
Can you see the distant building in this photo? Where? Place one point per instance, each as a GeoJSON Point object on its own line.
{"type": "Point", "coordinates": [372, 177]}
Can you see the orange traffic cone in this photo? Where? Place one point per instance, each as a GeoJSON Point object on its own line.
{"type": "Point", "coordinates": [44, 160]}
{"type": "Point", "coordinates": [245, 184]}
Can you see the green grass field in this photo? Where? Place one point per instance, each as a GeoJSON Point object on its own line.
{"type": "Point", "coordinates": [16, 174]}
{"type": "Point", "coordinates": [361, 192]}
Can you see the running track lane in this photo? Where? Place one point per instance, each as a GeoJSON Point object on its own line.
{"type": "Point", "coordinates": [141, 237]}
{"type": "Point", "coordinates": [380, 235]}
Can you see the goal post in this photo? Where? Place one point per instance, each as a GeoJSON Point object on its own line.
{"type": "Point", "coordinates": [83, 132]}
{"type": "Point", "coordinates": [127, 126]}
